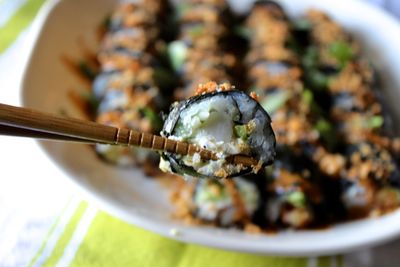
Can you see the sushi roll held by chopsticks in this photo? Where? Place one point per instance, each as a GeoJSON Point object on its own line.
{"type": "Point", "coordinates": [225, 121]}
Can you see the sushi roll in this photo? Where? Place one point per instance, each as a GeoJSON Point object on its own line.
{"type": "Point", "coordinates": [333, 60]}
{"type": "Point", "coordinates": [224, 203]}
{"type": "Point", "coordinates": [291, 196]}
{"type": "Point", "coordinates": [371, 184]}
{"type": "Point", "coordinates": [304, 166]}
{"type": "Point", "coordinates": [329, 49]}
{"type": "Point", "coordinates": [268, 24]}
{"type": "Point", "coordinates": [275, 75]}
{"type": "Point", "coordinates": [132, 86]}
{"type": "Point", "coordinates": [341, 79]}
{"type": "Point", "coordinates": [224, 121]}
{"type": "Point", "coordinates": [133, 110]}
{"type": "Point", "coordinates": [293, 189]}
{"type": "Point", "coordinates": [365, 171]}
{"type": "Point", "coordinates": [199, 54]}
{"type": "Point", "coordinates": [355, 108]}
{"type": "Point", "coordinates": [349, 82]}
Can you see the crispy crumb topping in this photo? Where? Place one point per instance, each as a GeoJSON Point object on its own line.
{"type": "Point", "coordinates": [210, 87]}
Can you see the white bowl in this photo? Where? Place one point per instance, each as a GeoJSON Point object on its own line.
{"type": "Point", "coordinates": [128, 194]}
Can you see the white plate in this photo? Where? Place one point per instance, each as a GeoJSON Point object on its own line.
{"type": "Point", "coordinates": [127, 194]}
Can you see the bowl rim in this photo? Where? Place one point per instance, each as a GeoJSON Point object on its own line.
{"type": "Point", "coordinates": [192, 234]}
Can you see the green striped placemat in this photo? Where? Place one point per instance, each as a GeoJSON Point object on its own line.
{"type": "Point", "coordinates": [108, 241]}
{"type": "Point", "coordinates": [18, 22]}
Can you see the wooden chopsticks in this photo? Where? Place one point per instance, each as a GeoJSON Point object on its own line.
{"type": "Point", "coordinates": [24, 122]}
{"type": "Point", "coordinates": [22, 132]}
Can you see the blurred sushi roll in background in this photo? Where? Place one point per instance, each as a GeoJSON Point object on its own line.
{"type": "Point", "coordinates": [371, 184]}
{"type": "Point", "coordinates": [328, 49]}
{"type": "Point", "coordinates": [333, 65]}
{"type": "Point", "coordinates": [369, 177]}
{"type": "Point", "coordinates": [224, 203]}
{"type": "Point", "coordinates": [199, 54]}
{"type": "Point", "coordinates": [133, 85]}
{"type": "Point", "coordinates": [274, 74]}
{"type": "Point", "coordinates": [291, 195]}
{"type": "Point", "coordinates": [302, 128]}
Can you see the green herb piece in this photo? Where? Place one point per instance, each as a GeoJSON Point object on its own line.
{"type": "Point", "coordinates": [86, 70]}
{"type": "Point", "coordinates": [374, 122]}
{"type": "Point", "coordinates": [241, 132]}
{"type": "Point", "coordinates": [325, 129]}
{"type": "Point", "coordinates": [297, 199]}
{"type": "Point", "coordinates": [307, 97]}
{"type": "Point", "coordinates": [211, 191]}
{"type": "Point", "coordinates": [152, 116]}
{"type": "Point", "coordinates": [245, 130]}
{"type": "Point", "coordinates": [323, 126]}
{"type": "Point", "coordinates": [341, 51]}
{"type": "Point", "coordinates": [177, 52]}
{"type": "Point", "coordinates": [274, 101]}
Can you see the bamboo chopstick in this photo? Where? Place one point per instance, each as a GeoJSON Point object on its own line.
{"type": "Point", "coordinates": [21, 132]}
{"type": "Point", "coordinates": [17, 121]}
